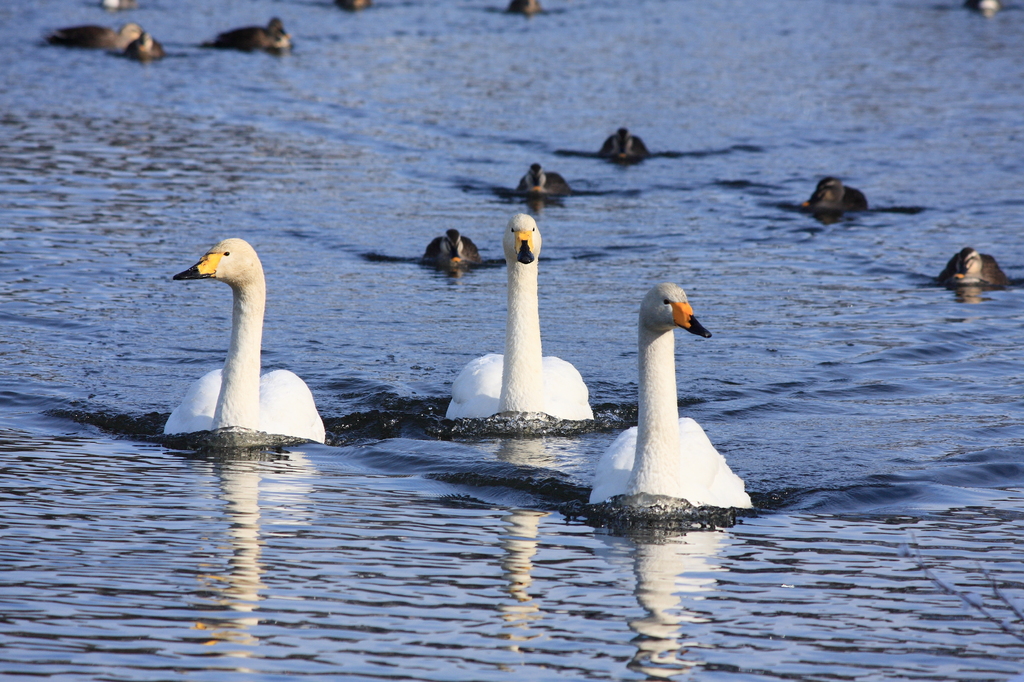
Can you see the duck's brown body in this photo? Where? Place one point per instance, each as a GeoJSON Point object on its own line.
{"type": "Point", "coordinates": [144, 49]}
{"type": "Point", "coordinates": [95, 37]}
{"type": "Point", "coordinates": [451, 252]}
{"type": "Point", "coordinates": [273, 38]}
{"type": "Point", "coordinates": [623, 147]}
{"type": "Point", "coordinates": [538, 182]}
{"type": "Point", "coordinates": [970, 267]}
{"type": "Point", "coordinates": [832, 195]}
{"type": "Point", "coordinates": [526, 7]}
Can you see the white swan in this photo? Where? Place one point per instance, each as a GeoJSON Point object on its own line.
{"type": "Point", "coordinates": [279, 402]}
{"type": "Point", "coordinates": [666, 455]}
{"type": "Point", "coordinates": [528, 382]}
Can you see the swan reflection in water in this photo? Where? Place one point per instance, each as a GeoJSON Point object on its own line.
{"type": "Point", "coordinates": [525, 452]}
{"type": "Point", "coordinates": [673, 575]}
{"type": "Point", "coordinates": [519, 543]}
{"type": "Point", "coordinates": [235, 588]}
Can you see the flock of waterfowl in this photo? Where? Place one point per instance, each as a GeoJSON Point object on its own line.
{"type": "Point", "coordinates": [135, 43]}
{"type": "Point", "coordinates": [663, 455]}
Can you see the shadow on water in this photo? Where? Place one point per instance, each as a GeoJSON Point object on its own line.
{"type": "Point", "coordinates": [374, 257]}
{"type": "Point", "coordinates": [831, 217]}
{"type": "Point", "coordinates": [515, 196]}
{"type": "Point", "coordinates": [961, 480]}
{"type": "Point", "coordinates": [410, 437]}
{"type": "Point", "coordinates": [800, 208]}
{"type": "Point", "coordinates": [697, 154]}
{"type": "Point", "coordinates": [391, 416]}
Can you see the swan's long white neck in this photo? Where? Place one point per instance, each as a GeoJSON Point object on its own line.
{"type": "Point", "coordinates": [522, 377]}
{"type": "Point", "coordinates": [239, 400]}
{"type": "Point", "coordinates": [656, 466]}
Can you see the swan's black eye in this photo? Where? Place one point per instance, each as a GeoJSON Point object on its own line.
{"type": "Point", "coordinates": [666, 302]}
{"type": "Point", "coordinates": [227, 253]}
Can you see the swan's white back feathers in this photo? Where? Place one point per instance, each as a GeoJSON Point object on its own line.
{"type": "Point", "coordinates": [195, 413]}
{"type": "Point", "coordinates": [704, 477]}
{"type": "Point", "coordinates": [477, 389]}
{"type": "Point", "coordinates": [286, 407]}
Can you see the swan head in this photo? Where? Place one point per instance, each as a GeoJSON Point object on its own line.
{"type": "Point", "coordinates": [232, 261]}
{"type": "Point", "coordinates": [665, 307]}
{"type": "Point", "coordinates": [522, 240]}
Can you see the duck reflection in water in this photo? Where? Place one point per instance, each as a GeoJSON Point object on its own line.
{"type": "Point", "coordinates": [519, 543]}
{"type": "Point", "coordinates": [237, 590]}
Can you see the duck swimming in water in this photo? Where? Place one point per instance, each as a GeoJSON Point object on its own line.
{"type": "Point", "coordinates": [117, 5]}
{"type": "Point", "coordinates": [986, 7]}
{"type": "Point", "coordinates": [144, 49]}
{"type": "Point", "coordinates": [970, 267]}
{"type": "Point", "coordinates": [622, 147]}
{"type": "Point", "coordinates": [527, 7]}
{"type": "Point", "coordinates": [95, 37]}
{"type": "Point", "coordinates": [832, 196]}
{"type": "Point", "coordinates": [273, 38]}
{"type": "Point", "coordinates": [451, 252]}
{"type": "Point", "coordinates": [538, 182]}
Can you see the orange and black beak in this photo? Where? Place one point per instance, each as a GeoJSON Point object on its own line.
{"type": "Point", "coordinates": [682, 315]}
{"type": "Point", "coordinates": [525, 251]}
{"type": "Point", "coordinates": [206, 267]}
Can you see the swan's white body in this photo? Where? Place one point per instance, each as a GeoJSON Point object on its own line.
{"type": "Point", "coordinates": [521, 380]}
{"type": "Point", "coordinates": [279, 402]}
{"type": "Point", "coordinates": [663, 454]}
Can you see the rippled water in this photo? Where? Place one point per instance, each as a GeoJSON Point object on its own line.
{"type": "Point", "coordinates": [875, 417]}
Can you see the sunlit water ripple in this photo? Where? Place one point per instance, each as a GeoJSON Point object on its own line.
{"type": "Point", "coordinates": [874, 416]}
